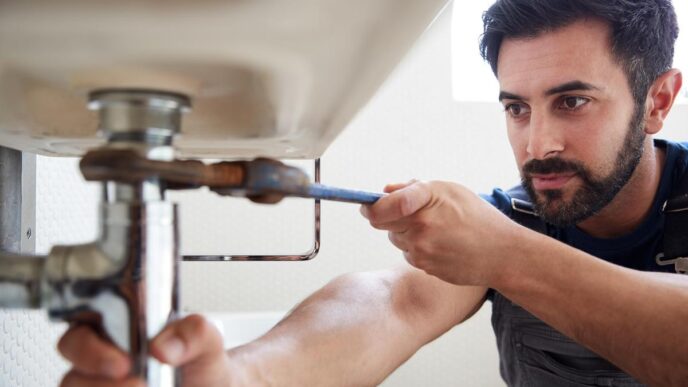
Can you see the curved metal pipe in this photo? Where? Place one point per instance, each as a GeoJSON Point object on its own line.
{"type": "Point", "coordinates": [21, 280]}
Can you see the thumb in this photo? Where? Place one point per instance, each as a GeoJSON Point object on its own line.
{"type": "Point", "coordinates": [414, 197]}
{"type": "Point", "coordinates": [399, 204]}
{"type": "Point", "coordinates": [389, 188]}
{"type": "Point", "coordinates": [192, 339]}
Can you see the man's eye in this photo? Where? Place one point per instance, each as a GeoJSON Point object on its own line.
{"type": "Point", "coordinates": [517, 109]}
{"type": "Point", "coordinates": [573, 103]}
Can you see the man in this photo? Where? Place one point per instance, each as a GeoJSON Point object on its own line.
{"type": "Point", "coordinates": [578, 297]}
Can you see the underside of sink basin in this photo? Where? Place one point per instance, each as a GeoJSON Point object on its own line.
{"type": "Point", "coordinates": [272, 78]}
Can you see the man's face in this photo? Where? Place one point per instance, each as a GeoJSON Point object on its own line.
{"type": "Point", "coordinates": [571, 119]}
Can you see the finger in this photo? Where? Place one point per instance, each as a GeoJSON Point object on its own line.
{"type": "Point", "coordinates": [398, 204]}
{"type": "Point", "coordinates": [399, 226]}
{"type": "Point", "coordinates": [192, 339]}
{"type": "Point", "coordinates": [398, 241]}
{"type": "Point", "coordinates": [389, 188]}
{"type": "Point", "coordinates": [93, 355]}
{"type": "Point", "coordinates": [76, 379]}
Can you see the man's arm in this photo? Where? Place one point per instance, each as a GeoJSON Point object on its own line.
{"type": "Point", "coordinates": [354, 331]}
{"type": "Point", "coordinates": [636, 320]}
{"type": "Point", "coordinates": [358, 329]}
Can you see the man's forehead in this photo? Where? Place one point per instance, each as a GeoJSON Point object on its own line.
{"type": "Point", "coordinates": [580, 51]}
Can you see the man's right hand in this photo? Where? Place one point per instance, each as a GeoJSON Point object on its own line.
{"type": "Point", "coordinates": [191, 343]}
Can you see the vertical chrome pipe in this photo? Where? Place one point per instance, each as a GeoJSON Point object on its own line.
{"type": "Point", "coordinates": [145, 121]}
{"type": "Point", "coordinates": [124, 285]}
{"type": "Point", "coordinates": [142, 237]}
{"type": "Point", "coordinates": [161, 264]}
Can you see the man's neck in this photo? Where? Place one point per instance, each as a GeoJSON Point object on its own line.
{"type": "Point", "coordinates": [633, 203]}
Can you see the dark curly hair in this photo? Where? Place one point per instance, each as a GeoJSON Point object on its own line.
{"type": "Point", "coordinates": [642, 38]}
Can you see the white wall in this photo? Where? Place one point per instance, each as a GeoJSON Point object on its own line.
{"type": "Point", "coordinates": [411, 128]}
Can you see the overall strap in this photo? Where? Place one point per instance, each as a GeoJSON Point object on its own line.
{"type": "Point", "coordinates": [523, 211]}
{"type": "Point", "coordinates": [676, 224]}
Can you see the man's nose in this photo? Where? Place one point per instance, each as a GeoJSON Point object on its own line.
{"type": "Point", "coordinates": [545, 138]}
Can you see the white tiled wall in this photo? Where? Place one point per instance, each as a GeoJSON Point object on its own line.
{"type": "Point", "coordinates": [66, 214]}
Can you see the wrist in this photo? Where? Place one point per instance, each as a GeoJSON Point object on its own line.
{"type": "Point", "coordinates": [512, 267]}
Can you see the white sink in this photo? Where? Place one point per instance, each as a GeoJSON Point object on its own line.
{"type": "Point", "coordinates": [240, 328]}
{"type": "Point", "coordinates": [278, 78]}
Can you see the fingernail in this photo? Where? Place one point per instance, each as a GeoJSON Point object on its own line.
{"type": "Point", "coordinates": [173, 348]}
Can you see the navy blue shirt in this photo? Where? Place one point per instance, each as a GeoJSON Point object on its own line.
{"type": "Point", "coordinates": [637, 250]}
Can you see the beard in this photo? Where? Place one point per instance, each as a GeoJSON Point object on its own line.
{"type": "Point", "coordinates": [594, 193]}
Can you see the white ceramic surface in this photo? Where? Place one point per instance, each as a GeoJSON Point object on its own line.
{"type": "Point", "coordinates": [273, 77]}
{"type": "Point", "coordinates": [240, 328]}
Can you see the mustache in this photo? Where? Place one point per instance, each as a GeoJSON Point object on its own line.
{"type": "Point", "coordinates": [553, 165]}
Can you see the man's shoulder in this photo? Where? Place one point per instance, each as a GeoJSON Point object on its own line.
{"type": "Point", "coordinates": [500, 199]}
{"type": "Point", "coordinates": [682, 149]}
{"type": "Point", "coordinates": [677, 157]}
{"type": "Point", "coordinates": [679, 147]}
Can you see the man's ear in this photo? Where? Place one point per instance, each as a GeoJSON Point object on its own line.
{"type": "Point", "coordinates": [660, 98]}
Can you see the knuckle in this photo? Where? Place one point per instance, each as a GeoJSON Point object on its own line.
{"type": "Point", "coordinates": [421, 222]}
{"type": "Point", "coordinates": [377, 225]}
{"type": "Point", "coordinates": [202, 336]}
{"type": "Point", "coordinates": [64, 345]}
{"type": "Point", "coordinates": [195, 320]}
{"type": "Point", "coordinates": [405, 205]}
{"type": "Point", "coordinates": [440, 183]}
{"type": "Point", "coordinates": [199, 326]}
{"type": "Point", "coordinates": [373, 217]}
{"type": "Point", "coordinates": [195, 323]}
{"type": "Point", "coordinates": [392, 237]}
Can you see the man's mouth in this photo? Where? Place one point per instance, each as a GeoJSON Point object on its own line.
{"type": "Point", "coordinates": [551, 181]}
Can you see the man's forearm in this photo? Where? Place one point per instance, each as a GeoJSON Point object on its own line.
{"type": "Point", "coordinates": [348, 333]}
{"type": "Point", "coordinates": [634, 319]}
{"type": "Point", "coordinates": [356, 330]}
{"type": "Point", "coordinates": [338, 336]}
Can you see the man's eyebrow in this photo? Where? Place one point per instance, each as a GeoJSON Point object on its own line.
{"type": "Point", "coordinates": [571, 86]}
{"type": "Point", "coordinates": [506, 95]}
{"type": "Point", "coordinates": [563, 88]}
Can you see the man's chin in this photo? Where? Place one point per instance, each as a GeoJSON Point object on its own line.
{"type": "Point", "coordinates": [553, 208]}
{"type": "Point", "coordinates": [549, 208]}
{"type": "Point", "coordinates": [549, 196]}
